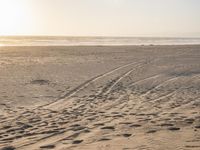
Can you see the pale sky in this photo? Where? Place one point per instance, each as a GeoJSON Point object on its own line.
{"type": "Point", "coordinates": [180, 18]}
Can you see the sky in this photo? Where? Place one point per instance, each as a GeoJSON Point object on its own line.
{"type": "Point", "coordinates": [163, 18]}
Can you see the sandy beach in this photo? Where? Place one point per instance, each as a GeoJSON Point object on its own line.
{"type": "Point", "coordinates": [100, 98]}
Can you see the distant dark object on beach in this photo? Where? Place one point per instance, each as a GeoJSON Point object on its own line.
{"type": "Point", "coordinates": [40, 82]}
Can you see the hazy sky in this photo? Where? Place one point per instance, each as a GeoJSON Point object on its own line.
{"type": "Point", "coordinates": [100, 17]}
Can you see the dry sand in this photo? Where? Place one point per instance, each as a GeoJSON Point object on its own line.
{"type": "Point", "coordinates": [100, 98]}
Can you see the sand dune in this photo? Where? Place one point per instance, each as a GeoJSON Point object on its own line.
{"type": "Point", "coordinates": [104, 98]}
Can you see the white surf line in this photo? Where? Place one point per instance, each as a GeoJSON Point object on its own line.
{"type": "Point", "coordinates": [87, 83]}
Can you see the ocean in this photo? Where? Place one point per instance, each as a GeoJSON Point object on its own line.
{"type": "Point", "coordinates": [76, 41]}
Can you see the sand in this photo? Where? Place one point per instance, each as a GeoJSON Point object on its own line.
{"type": "Point", "coordinates": [100, 98]}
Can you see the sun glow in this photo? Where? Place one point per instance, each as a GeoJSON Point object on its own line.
{"type": "Point", "coordinates": [100, 17]}
{"type": "Point", "coordinates": [12, 16]}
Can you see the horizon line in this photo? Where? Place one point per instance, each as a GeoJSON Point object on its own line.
{"type": "Point", "coordinates": [100, 36]}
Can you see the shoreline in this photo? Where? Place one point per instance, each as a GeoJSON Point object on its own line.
{"type": "Point", "coordinates": [149, 45]}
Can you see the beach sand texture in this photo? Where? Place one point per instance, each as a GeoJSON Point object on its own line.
{"type": "Point", "coordinates": [100, 98]}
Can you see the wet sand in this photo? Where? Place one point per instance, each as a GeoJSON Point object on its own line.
{"type": "Point", "coordinates": [100, 98]}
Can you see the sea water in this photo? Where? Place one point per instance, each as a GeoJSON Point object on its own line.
{"type": "Point", "coordinates": [80, 41]}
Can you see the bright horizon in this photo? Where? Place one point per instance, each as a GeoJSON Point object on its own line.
{"type": "Point", "coordinates": [123, 18]}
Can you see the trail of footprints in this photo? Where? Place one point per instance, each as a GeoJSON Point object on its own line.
{"type": "Point", "coordinates": [104, 116]}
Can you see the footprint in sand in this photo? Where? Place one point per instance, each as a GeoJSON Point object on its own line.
{"type": "Point", "coordinates": [77, 141]}
{"type": "Point", "coordinates": [174, 128]}
{"type": "Point", "coordinates": [189, 120]}
{"type": "Point", "coordinates": [166, 124]}
{"type": "Point", "coordinates": [197, 127]}
{"type": "Point", "coordinates": [99, 124]}
{"type": "Point", "coordinates": [48, 147]}
{"type": "Point", "coordinates": [135, 125]}
{"type": "Point", "coordinates": [151, 131]}
{"type": "Point", "coordinates": [78, 128]}
{"type": "Point", "coordinates": [126, 123]}
{"type": "Point", "coordinates": [8, 148]}
{"type": "Point", "coordinates": [108, 128]}
{"type": "Point", "coordinates": [6, 127]}
{"type": "Point", "coordinates": [126, 135]}
{"type": "Point", "coordinates": [104, 139]}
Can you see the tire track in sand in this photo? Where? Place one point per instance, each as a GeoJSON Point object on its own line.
{"type": "Point", "coordinates": [87, 83]}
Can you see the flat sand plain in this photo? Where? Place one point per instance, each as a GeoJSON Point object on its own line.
{"type": "Point", "coordinates": [100, 98]}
